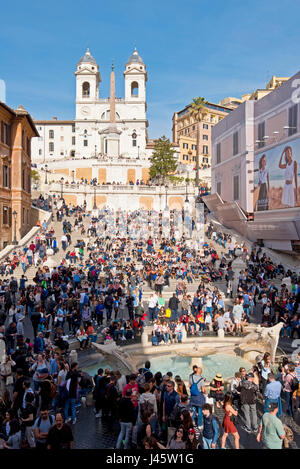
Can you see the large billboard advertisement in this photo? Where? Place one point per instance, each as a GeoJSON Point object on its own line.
{"type": "Point", "coordinates": [277, 177]}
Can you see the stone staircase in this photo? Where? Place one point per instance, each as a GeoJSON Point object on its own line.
{"type": "Point", "coordinates": [60, 254]}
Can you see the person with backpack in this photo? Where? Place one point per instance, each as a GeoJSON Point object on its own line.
{"type": "Point", "coordinates": [290, 384]}
{"type": "Point", "coordinates": [144, 375]}
{"type": "Point", "coordinates": [198, 392]}
{"type": "Point", "coordinates": [41, 428]}
{"type": "Point", "coordinates": [211, 431]}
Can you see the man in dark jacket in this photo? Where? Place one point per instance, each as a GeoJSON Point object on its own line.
{"type": "Point", "coordinates": [173, 305]}
{"type": "Point", "coordinates": [210, 428]}
{"type": "Point", "coordinates": [248, 395]}
{"type": "Point", "coordinates": [127, 419]}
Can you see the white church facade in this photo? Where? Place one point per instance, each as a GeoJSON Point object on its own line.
{"type": "Point", "coordinates": [109, 132]}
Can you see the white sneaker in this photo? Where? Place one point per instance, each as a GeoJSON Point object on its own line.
{"type": "Point", "coordinates": [98, 415]}
{"type": "Point", "coordinates": [74, 421]}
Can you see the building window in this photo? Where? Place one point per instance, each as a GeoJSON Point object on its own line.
{"type": "Point", "coordinates": [134, 142]}
{"type": "Point", "coordinates": [27, 217]}
{"type": "Point", "coordinates": [86, 90]}
{"type": "Point", "coordinates": [261, 134]}
{"type": "Point", "coordinates": [28, 183]}
{"type": "Point", "coordinates": [5, 215]}
{"type": "Point", "coordinates": [185, 145]}
{"type": "Point", "coordinates": [194, 158]}
{"type": "Point", "coordinates": [236, 187]}
{"type": "Point", "coordinates": [134, 88]}
{"type": "Point", "coordinates": [51, 146]}
{"type": "Point", "coordinates": [23, 180]}
{"type": "Point", "coordinates": [28, 146]}
{"type": "Point", "coordinates": [23, 215]}
{"type": "Point", "coordinates": [205, 126]}
{"type": "Point", "coordinates": [205, 149]}
{"type": "Point", "coordinates": [205, 137]}
{"type": "Point", "coordinates": [85, 143]}
{"type": "Point", "coordinates": [193, 127]}
{"type": "Point", "coordinates": [40, 151]}
{"type": "Point", "coordinates": [5, 133]}
{"type": "Point", "coordinates": [218, 153]}
{"type": "Point", "coordinates": [51, 133]}
{"type": "Point", "coordinates": [235, 143]}
{"type": "Point", "coordinates": [5, 176]}
{"type": "Point", "coordinates": [293, 121]}
{"type": "Point", "coordinates": [73, 128]}
{"type": "Point", "coordinates": [73, 140]}
{"type": "Point", "coordinates": [194, 147]}
{"type": "Point", "coordinates": [219, 188]}
{"type": "Point", "coordinates": [185, 158]}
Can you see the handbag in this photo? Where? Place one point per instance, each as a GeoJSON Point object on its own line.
{"type": "Point", "coordinates": [9, 380]}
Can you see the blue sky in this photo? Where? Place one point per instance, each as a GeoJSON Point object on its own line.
{"type": "Point", "coordinates": [192, 48]}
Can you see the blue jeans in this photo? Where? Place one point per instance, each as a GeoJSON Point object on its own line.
{"type": "Point", "coordinates": [199, 410]}
{"type": "Point", "coordinates": [166, 337]}
{"type": "Point", "coordinates": [126, 428]}
{"type": "Point", "coordinates": [289, 402]}
{"type": "Point", "coordinates": [207, 443]}
{"type": "Point", "coordinates": [174, 314]}
{"type": "Point", "coordinates": [70, 404]}
{"type": "Point", "coordinates": [152, 314]}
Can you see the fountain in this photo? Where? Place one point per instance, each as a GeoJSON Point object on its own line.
{"type": "Point", "coordinates": [111, 349]}
{"type": "Point", "coordinates": [260, 341]}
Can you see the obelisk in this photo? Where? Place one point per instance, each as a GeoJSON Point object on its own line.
{"type": "Point", "coordinates": [112, 95]}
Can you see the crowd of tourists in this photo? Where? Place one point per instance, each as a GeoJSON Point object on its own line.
{"type": "Point", "coordinates": [97, 293]}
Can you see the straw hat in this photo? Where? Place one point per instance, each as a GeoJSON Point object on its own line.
{"type": "Point", "coordinates": [218, 377]}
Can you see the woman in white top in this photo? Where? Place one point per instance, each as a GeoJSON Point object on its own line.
{"type": "Point", "coordinates": [263, 184]}
{"type": "Point", "coordinates": [289, 194]}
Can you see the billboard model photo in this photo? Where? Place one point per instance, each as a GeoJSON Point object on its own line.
{"type": "Point", "coordinates": [276, 183]}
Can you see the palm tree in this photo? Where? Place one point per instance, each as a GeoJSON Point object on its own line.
{"type": "Point", "coordinates": [198, 111]}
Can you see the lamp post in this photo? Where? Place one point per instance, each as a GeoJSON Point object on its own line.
{"type": "Point", "coordinates": [95, 205]}
{"type": "Point", "coordinates": [85, 193]}
{"type": "Point", "coordinates": [186, 190]}
{"type": "Point", "coordinates": [61, 187]}
{"type": "Point", "coordinates": [15, 242]}
{"type": "Point", "coordinates": [73, 173]}
{"type": "Point", "coordinates": [166, 207]}
{"type": "Point", "coordinates": [46, 172]}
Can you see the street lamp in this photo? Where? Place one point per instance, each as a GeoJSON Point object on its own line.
{"type": "Point", "coordinates": [46, 172]}
{"type": "Point", "coordinates": [95, 205]}
{"type": "Point", "coordinates": [186, 190]}
{"type": "Point", "coordinates": [166, 207]}
{"type": "Point", "coordinates": [73, 173]}
{"type": "Point", "coordinates": [85, 193]}
{"type": "Point", "coordinates": [15, 242]}
{"type": "Point", "coordinates": [61, 187]}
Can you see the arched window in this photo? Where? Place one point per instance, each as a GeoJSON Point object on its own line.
{"type": "Point", "coordinates": [86, 90]}
{"type": "Point", "coordinates": [134, 88]}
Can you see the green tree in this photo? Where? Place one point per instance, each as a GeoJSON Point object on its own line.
{"type": "Point", "coordinates": [198, 111]}
{"type": "Point", "coordinates": [163, 160]}
{"type": "Point", "coordinates": [35, 175]}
